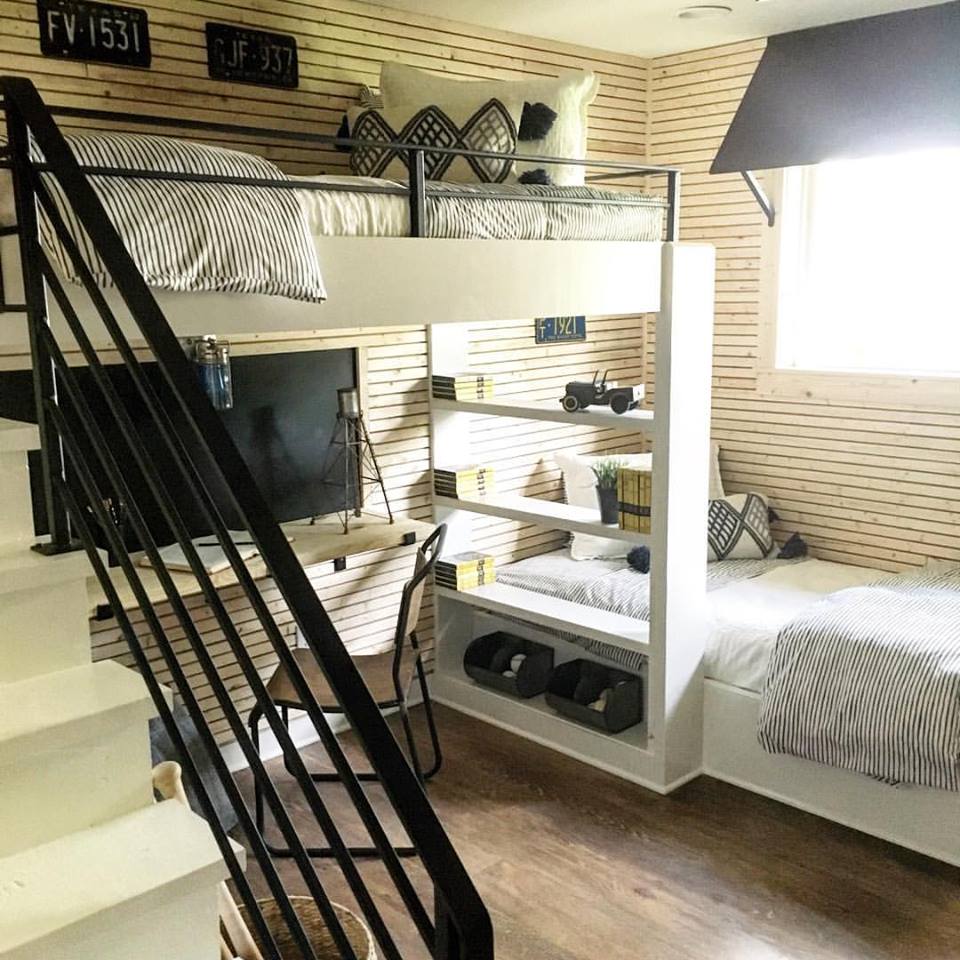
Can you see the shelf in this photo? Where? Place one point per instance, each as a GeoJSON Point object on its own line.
{"type": "Point", "coordinates": [545, 611]}
{"type": "Point", "coordinates": [545, 513]}
{"type": "Point", "coordinates": [633, 421]}
{"type": "Point", "coordinates": [628, 754]}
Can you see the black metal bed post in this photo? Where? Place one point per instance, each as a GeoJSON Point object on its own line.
{"type": "Point", "coordinates": [35, 301]}
{"type": "Point", "coordinates": [418, 194]}
{"type": "Point", "coordinates": [673, 201]}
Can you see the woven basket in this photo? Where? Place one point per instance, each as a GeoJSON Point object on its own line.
{"type": "Point", "coordinates": [320, 939]}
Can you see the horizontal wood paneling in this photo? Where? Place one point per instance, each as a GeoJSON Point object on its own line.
{"type": "Point", "coordinates": [875, 484]}
{"type": "Point", "coordinates": [342, 44]}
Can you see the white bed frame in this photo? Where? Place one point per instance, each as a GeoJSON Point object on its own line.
{"type": "Point", "coordinates": [918, 818]}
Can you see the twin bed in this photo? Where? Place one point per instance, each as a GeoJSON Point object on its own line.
{"type": "Point", "coordinates": [831, 687]}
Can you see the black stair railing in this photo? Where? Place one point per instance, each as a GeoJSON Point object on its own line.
{"type": "Point", "coordinates": [82, 473]}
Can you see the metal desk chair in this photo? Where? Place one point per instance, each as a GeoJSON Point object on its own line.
{"type": "Point", "coordinates": [388, 676]}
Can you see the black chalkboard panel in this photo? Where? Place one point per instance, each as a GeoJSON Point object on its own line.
{"type": "Point", "coordinates": [284, 416]}
{"type": "Point", "coordinates": [251, 56]}
{"type": "Point", "coordinates": [102, 32]}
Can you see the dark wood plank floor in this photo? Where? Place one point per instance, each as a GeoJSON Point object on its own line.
{"type": "Point", "coordinates": [575, 864]}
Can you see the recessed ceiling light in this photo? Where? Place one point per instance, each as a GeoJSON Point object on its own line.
{"type": "Point", "coordinates": [701, 11]}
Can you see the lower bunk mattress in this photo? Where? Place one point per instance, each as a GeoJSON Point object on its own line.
{"type": "Point", "coordinates": [750, 601]}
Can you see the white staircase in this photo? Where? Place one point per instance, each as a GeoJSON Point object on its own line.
{"type": "Point", "coordinates": [90, 867]}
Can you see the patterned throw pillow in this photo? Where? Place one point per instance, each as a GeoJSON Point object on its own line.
{"type": "Point", "coordinates": [738, 528]}
{"type": "Point", "coordinates": [491, 127]}
{"type": "Point", "coordinates": [555, 121]}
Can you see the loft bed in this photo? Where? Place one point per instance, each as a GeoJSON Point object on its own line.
{"type": "Point", "coordinates": [558, 250]}
{"type": "Point", "coordinates": [446, 283]}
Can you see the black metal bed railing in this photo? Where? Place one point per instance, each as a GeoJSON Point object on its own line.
{"type": "Point", "coordinates": [417, 187]}
{"type": "Point", "coordinates": [82, 473]}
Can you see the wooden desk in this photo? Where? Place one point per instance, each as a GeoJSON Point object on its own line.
{"type": "Point", "coordinates": [313, 544]}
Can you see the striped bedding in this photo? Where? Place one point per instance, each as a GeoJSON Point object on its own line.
{"type": "Point", "coordinates": [193, 236]}
{"type": "Point", "coordinates": [469, 211]}
{"type": "Point", "coordinates": [614, 586]}
{"type": "Point", "coordinates": [868, 679]}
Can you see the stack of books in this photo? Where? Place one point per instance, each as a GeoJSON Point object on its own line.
{"type": "Point", "coordinates": [463, 386]}
{"type": "Point", "coordinates": [464, 571]}
{"type": "Point", "coordinates": [634, 491]}
{"type": "Point", "coordinates": [469, 481]}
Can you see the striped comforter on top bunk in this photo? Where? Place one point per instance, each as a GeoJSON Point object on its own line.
{"type": "Point", "coordinates": [868, 679]}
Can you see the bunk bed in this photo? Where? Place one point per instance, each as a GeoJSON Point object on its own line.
{"type": "Point", "coordinates": [449, 277]}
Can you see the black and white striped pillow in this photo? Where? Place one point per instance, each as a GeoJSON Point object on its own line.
{"type": "Point", "coordinates": [189, 236]}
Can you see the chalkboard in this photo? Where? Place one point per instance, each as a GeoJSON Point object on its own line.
{"type": "Point", "coordinates": [101, 32]}
{"type": "Point", "coordinates": [251, 56]}
{"type": "Point", "coordinates": [284, 416]}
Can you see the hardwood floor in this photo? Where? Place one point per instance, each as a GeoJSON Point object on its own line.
{"type": "Point", "coordinates": [576, 864]}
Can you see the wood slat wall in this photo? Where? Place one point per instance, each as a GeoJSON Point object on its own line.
{"type": "Point", "coordinates": [341, 45]}
{"type": "Point", "coordinates": [865, 483]}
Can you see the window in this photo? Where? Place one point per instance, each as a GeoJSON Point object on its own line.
{"type": "Point", "coordinates": [868, 267]}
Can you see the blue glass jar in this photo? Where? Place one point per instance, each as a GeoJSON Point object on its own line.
{"type": "Point", "coordinates": [212, 357]}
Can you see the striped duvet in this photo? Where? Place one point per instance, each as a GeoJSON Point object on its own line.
{"type": "Point", "coordinates": [192, 236]}
{"type": "Point", "coordinates": [868, 679]}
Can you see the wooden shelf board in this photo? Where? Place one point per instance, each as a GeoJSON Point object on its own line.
{"type": "Point", "coordinates": [633, 421]}
{"type": "Point", "coordinates": [313, 544]}
{"type": "Point", "coordinates": [544, 513]}
{"type": "Point", "coordinates": [544, 611]}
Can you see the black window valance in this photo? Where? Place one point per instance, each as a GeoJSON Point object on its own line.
{"type": "Point", "coordinates": [879, 85]}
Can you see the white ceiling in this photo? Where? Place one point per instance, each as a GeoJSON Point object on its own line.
{"type": "Point", "coordinates": [649, 28]}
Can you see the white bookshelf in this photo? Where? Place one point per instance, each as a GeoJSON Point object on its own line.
{"type": "Point", "coordinates": [539, 610]}
{"type": "Point", "coordinates": [633, 421]}
{"type": "Point", "coordinates": [667, 749]}
{"type": "Point", "coordinates": [545, 513]}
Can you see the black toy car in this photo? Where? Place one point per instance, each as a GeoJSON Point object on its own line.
{"type": "Point", "coordinates": [582, 393]}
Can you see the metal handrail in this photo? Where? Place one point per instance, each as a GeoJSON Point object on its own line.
{"type": "Point", "coordinates": [462, 929]}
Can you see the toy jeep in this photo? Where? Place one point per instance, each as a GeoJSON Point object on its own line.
{"type": "Point", "coordinates": [584, 393]}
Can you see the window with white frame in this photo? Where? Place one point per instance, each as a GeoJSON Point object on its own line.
{"type": "Point", "coordinates": [868, 275]}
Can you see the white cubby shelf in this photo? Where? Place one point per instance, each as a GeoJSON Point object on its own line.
{"type": "Point", "coordinates": [633, 421]}
{"type": "Point", "coordinates": [665, 750]}
{"type": "Point", "coordinates": [546, 513]}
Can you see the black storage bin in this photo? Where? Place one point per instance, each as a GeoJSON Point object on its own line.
{"type": "Point", "coordinates": [576, 684]}
{"type": "Point", "coordinates": [487, 657]}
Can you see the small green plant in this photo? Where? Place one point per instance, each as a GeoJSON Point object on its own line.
{"type": "Point", "coordinates": [605, 470]}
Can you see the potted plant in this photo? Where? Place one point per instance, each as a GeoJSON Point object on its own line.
{"type": "Point", "coordinates": [605, 470]}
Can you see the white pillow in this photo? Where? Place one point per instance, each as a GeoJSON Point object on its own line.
{"type": "Point", "coordinates": [580, 486]}
{"type": "Point", "coordinates": [568, 95]}
{"type": "Point", "coordinates": [579, 483]}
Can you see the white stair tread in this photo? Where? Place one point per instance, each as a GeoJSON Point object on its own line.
{"type": "Point", "coordinates": [15, 436]}
{"type": "Point", "coordinates": [59, 701]}
{"type": "Point", "coordinates": [58, 884]}
{"type": "Point", "coordinates": [22, 568]}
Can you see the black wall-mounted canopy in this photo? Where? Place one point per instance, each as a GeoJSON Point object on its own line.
{"type": "Point", "coordinates": [880, 85]}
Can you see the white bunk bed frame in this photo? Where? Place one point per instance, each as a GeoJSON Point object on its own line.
{"type": "Point", "coordinates": [692, 726]}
